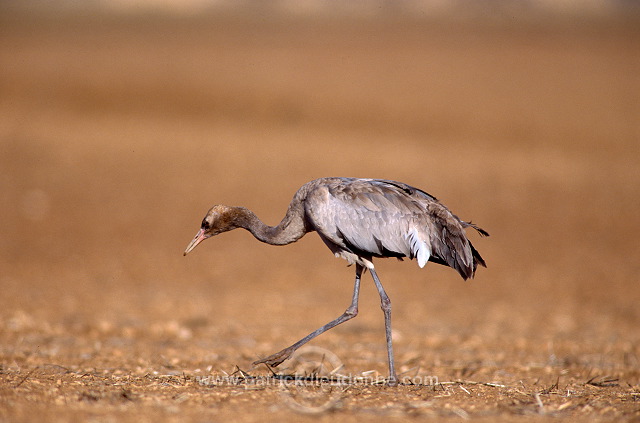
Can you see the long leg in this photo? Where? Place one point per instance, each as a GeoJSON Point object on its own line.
{"type": "Point", "coordinates": [385, 304]}
{"type": "Point", "coordinates": [351, 312]}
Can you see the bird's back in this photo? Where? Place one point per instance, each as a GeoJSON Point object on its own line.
{"type": "Point", "coordinates": [365, 218]}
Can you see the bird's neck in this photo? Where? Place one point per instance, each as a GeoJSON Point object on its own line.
{"type": "Point", "coordinates": [289, 230]}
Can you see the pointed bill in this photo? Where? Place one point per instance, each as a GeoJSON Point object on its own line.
{"type": "Point", "coordinates": [200, 236]}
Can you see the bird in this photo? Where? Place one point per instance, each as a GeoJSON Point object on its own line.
{"type": "Point", "coordinates": [359, 219]}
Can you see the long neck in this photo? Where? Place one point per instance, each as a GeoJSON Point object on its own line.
{"type": "Point", "coordinates": [290, 229]}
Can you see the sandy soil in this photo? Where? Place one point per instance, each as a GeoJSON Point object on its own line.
{"type": "Point", "coordinates": [117, 134]}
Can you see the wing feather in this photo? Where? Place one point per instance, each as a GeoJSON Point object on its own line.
{"type": "Point", "coordinates": [380, 218]}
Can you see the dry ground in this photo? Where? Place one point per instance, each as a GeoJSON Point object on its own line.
{"type": "Point", "coordinates": [117, 134]}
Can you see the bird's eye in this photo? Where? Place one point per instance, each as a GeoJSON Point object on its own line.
{"type": "Point", "coordinates": [205, 225]}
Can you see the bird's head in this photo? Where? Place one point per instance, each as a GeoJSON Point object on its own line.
{"type": "Point", "coordinates": [218, 219]}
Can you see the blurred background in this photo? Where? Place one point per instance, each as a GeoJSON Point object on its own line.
{"type": "Point", "coordinates": [122, 122]}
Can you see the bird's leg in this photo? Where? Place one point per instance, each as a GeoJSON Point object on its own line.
{"type": "Point", "coordinates": [385, 304]}
{"type": "Point", "coordinates": [351, 312]}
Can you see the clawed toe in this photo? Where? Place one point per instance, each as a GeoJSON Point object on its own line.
{"type": "Point", "coordinates": [276, 359]}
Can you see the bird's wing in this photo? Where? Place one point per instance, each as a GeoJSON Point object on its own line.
{"type": "Point", "coordinates": [448, 242]}
{"type": "Point", "coordinates": [372, 218]}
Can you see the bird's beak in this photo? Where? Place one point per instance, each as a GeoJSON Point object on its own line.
{"type": "Point", "coordinates": [200, 236]}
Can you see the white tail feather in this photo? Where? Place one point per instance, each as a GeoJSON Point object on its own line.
{"type": "Point", "coordinates": [419, 247]}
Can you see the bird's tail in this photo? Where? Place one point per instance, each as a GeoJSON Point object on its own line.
{"type": "Point", "coordinates": [453, 247]}
{"type": "Point", "coordinates": [481, 231]}
{"type": "Point", "coordinates": [477, 258]}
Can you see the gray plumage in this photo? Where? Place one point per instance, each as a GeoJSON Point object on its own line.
{"type": "Point", "coordinates": [365, 218]}
{"type": "Point", "coordinates": [359, 219]}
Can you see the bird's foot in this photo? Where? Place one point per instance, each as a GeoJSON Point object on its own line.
{"type": "Point", "coordinates": [392, 381]}
{"type": "Point", "coordinates": [276, 359]}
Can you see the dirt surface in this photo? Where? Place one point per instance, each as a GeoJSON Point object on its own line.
{"type": "Point", "coordinates": [118, 133]}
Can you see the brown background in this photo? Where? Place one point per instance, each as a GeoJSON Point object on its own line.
{"type": "Point", "coordinates": [117, 133]}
